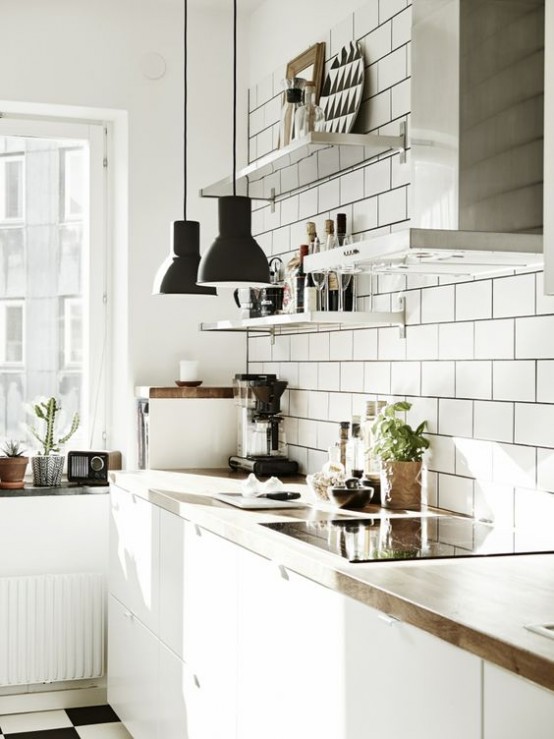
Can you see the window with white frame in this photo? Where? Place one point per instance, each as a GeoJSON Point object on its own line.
{"type": "Point", "coordinates": [52, 284]}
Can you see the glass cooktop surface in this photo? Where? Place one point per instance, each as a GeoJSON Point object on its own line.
{"type": "Point", "coordinates": [414, 537]}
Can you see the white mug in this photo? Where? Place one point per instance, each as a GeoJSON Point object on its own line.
{"type": "Point", "coordinates": [188, 370]}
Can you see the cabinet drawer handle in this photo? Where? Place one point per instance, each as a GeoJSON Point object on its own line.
{"type": "Point", "coordinates": [196, 681]}
{"type": "Point", "coordinates": [283, 572]}
{"type": "Point", "coordinates": [128, 614]}
{"type": "Point", "coordinates": [389, 620]}
{"type": "Point", "coordinates": [197, 530]}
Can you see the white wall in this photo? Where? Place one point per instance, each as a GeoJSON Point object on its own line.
{"type": "Point", "coordinates": [78, 53]}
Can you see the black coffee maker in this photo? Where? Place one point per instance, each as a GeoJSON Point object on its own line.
{"type": "Point", "coordinates": [261, 443]}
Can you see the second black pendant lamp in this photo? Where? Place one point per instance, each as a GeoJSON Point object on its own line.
{"type": "Point", "coordinates": [177, 275]}
{"type": "Point", "coordinates": [235, 259]}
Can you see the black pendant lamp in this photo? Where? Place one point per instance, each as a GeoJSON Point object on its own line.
{"type": "Point", "coordinates": [235, 259]}
{"type": "Point", "coordinates": [177, 275]}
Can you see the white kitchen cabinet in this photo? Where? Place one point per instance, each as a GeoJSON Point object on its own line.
{"type": "Point", "coordinates": [134, 555]}
{"type": "Point", "coordinates": [514, 707]}
{"type": "Point", "coordinates": [182, 703]}
{"type": "Point", "coordinates": [303, 646]}
{"type": "Point", "coordinates": [199, 612]}
{"type": "Point", "coordinates": [133, 665]}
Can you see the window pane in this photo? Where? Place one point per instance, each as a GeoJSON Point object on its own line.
{"type": "Point", "coordinates": [43, 299]}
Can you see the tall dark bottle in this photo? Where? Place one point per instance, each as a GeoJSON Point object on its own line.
{"type": "Point", "coordinates": [299, 279]}
{"type": "Point", "coordinates": [343, 240]}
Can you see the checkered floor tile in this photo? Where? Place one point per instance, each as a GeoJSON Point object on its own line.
{"type": "Point", "coordinates": [91, 722]}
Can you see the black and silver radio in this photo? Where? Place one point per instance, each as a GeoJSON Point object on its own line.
{"type": "Point", "coordinates": [88, 468]}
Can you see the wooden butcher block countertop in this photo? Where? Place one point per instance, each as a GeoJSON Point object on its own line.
{"type": "Point", "coordinates": [479, 604]}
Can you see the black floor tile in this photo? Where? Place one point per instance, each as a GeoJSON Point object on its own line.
{"type": "Point", "coordinates": [91, 715]}
{"type": "Point", "coordinates": [48, 734]}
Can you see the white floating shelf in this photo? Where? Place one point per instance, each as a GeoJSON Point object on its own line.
{"type": "Point", "coordinates": [436, 252]}
{"type": "Point", "coordinates": [295, 321]}
{"type": "Point", "coordinates": [304, 162]}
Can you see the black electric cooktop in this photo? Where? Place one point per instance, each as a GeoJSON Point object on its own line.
{"type": "Point", "coordinates": [390, 537]}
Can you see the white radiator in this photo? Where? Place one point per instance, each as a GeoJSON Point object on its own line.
{"type": "Point", "coordinates": [51, 628]}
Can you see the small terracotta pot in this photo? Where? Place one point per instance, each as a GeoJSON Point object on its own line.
{"type": "Point", "coordinates": [401, 485]}
{"type": "Point", "coordinates": [12, 472]}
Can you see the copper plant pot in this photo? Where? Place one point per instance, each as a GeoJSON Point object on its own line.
{"type": "Point", "coordinates": [12, 472]}
{"type": "Point", "coordinates": [401, 485]}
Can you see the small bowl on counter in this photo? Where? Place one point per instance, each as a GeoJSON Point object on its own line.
{"type": "Point", "coordinates": [354, 494]}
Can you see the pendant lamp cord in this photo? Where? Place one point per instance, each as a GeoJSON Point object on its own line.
{"type": "Point", "coordinates": [185, 98]}
{"type": "Point", "coordinates": [234, 98]}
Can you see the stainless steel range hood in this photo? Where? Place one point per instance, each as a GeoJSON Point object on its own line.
{"type": "Point", "coordinates": [476, 137]}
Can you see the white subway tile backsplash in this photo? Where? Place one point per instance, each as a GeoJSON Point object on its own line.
{"type": "Point", "coordinates": [494, 502]}
{"type": "Point", "coordinates": [327, 435]}
{"type": "Point", "coordinates": [455, 417]}
{"type": "Point", "coordinates": [545, 303]}
{"type": "Point", "coordinates": [366, 18]}
{"type": "Point", "coordinates": [402, 28]}
{"type": "Point", "coordinates": [365, 344]}
{"type": "Point", "coordinates": [329, 195]}
{"type": "Point", "coordinates": [534, 424]}
{"type": "Point", "coordinates": [474, 458]}
{"type": "Point", "coordinates": [545, 381]}
{"type": "Point", "coordinates": [392, 68]}
{"type": "Point", "coordinates": [494, 339]}
{"type": "Point", "coordinates": [328, 163]}
{"type": "Point", "coordinates": [474, 380]}
{"type": "Point", "coordinates": [289, 210]}
{"type": "Point", "coordinates": [364, 215]}
{"type": "Point", "coordinates": [474, 300]}
{"type": "Point", "coordinates": [329, 376]}
{"type": "Point", "coordinates": [514, 465]}
{"type": "Point", "coordinates": [340, 408]}
{"type": "Point", "coordinates": [442, 454]}
{"type": "Point", "coordinates": [377, 378]}
{"type": "Point", "coordinates": [300, 455]}
{"type": "Point", "coordinates": [299, 347]}
{"type": "Point", "coordinates": [318, 347]}
{"type": "Point", "coordinates": [264, 142]}
{"type": "Point", "coordinates": [308, 375]}
{"type": "Point", "coordinates": [352, 186]}
{"type": "Point", "coordinates": [422, 342]}
{"type": "Point", "coordinates": [307, 204]}
{"type": "Point", "coordinates": [298, 403]}
{"type": "Point", "coordinates": [514, 296]}
{"type": "Point", "coordinates": [307, 170]}
{"type": "Point", "coordinates": [405, 378]}
{"type": "Point", "coordinates": [341, 345]}
{"type": "Point", "coordinates": [392, 206]}
{"type": "Point", "coordinates": [437, 304]}
{"type": "Point", "coordinates": [291, 429]}
{"type": "Point", "coordinates": [288, 371]}
{"type": "Point", "coordinates": [514, 380]}
{"type": "Point", "coordinates": [545, 469]}
{"type": "Point", "coordinates": [388, 8]}
{"type": "Point", "coordinates": [342, 34]}
{"type": "Point", "coordinates": [391, 345]}
{"type": "Point", "coordinates": [423, 409]}
{"type": "Point", "coordinates": [494, 421]}
{"type": "Point", "coordinates": [259, 349]}
{"type": "Point", "coordinates": [307, 432]}
{"type": "Point", "coordinates": [378, 43]}
{"type": "Point", "coordinates": [401, 100]}
{"type": "Point", "coordinates": [375, 112]}
{"type": "Point", "coordinates": [438, 378]}
{"type": "Point", "coordinates": [456, 341]}
{"type": "Point", "coordinates": [318, 405]}
{"type": "Point", "coordinates": [281, 349]}
{"type": "Point", "coordinates": [535, 337]}
{"type": "Point", "coordinates": [377, 177]}
{"type": "Point", "coordinates": [352, 377]}
{"type": "Point", "coordinates": [532, 506]}
{"type": "Point", "coordinates": [264, 90]}
{"type": "Point", "coordinates": [412, 304]}
{"type": "Point", "coordinates": [456, 494]}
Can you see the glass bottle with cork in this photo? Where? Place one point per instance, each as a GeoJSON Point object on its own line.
{"type": "Point", "coordinates": [332, 279]}
{"type": "Point", "coordinates": [313, 239]}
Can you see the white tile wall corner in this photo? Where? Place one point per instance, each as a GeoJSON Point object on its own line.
{"type": "Point", "coordinates": [478, 359]}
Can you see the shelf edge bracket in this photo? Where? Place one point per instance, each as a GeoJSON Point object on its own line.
{"type": "Point", "coordinates": [404, 134]}
{"type": "Point", "coordinates": [272, 199]}
{"type": "Point", "coordinates": [402, 322]}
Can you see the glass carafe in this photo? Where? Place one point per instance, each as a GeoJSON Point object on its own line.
{"type": "Point", "coordinates": [309, 117]}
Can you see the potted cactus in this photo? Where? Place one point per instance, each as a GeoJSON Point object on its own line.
{"type": "Point", "coordinates": [13, 464]}
{"type": "Point", "coordinates": [48, 464]}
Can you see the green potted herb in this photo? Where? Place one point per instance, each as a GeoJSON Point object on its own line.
{"type": "Point", "coordinates": [48, 464]}
{"type": "Point", "coordinates": [400, 449]}
{"type": "Point", "coordinates": [13, 465]}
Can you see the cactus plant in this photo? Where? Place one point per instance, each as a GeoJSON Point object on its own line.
{"type": "Point", "coordinates": [46, 411]}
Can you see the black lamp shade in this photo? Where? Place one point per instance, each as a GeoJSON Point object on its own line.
{"type": "Point", "coordinates": [178, 273]}
{"type": "Point", "coordinates": [235, 259]}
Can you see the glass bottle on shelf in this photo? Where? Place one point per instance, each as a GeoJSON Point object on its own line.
{"type": "Point", "coordinates": [313, 239]}
{"type": "Point", "coordinates": [342, 238]}
{"type": "Point", "coordinates": [371, 463]}
{"type": "Point", "coordinates": [347, 280]}
{"type": "Point", "coordinates": [330, 237]}
{"type": "Point", "coordinates": [293, 100]}
{"type": "Point", "coordinates": [299, 279]}
{"type": "Point", "coordinates": [343, 441]}
{"type": "Point", "coordinates": [310, 294]}
{"type": "Point", "coordinates": [332, 290]}
{"type": "Point", "coordinates": [309, 116]}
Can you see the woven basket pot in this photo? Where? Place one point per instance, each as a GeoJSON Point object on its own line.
{"type": "Point", "coordinates": [401, 485]}
{"type": "Point", "coordinates": [47, 471]}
